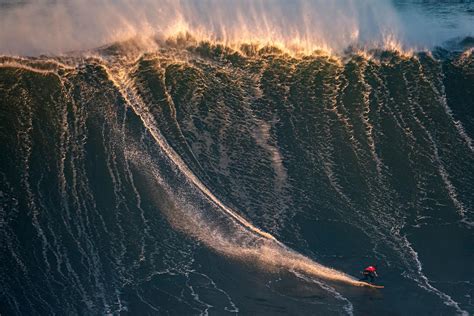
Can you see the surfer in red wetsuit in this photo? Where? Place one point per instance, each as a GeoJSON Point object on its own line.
{"type": "Point", "coordinates": [370, 273]}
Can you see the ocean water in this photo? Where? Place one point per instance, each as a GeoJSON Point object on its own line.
{"type": "Point", "coordinates": [199, 178]}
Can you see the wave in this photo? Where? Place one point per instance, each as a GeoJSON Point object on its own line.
{"type": "Point", "coordinates": [369, 140]}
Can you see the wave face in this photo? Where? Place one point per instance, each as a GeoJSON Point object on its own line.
{"type": "Point", "coordinates": [201, 179]}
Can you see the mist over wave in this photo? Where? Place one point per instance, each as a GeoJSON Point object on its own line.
{"type": "Point", "coordinates": [54, 27]}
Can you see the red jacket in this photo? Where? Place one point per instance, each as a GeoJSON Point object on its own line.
{"type": "Point", "coordinates": [370, 269]}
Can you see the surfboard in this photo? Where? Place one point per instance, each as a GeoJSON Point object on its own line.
{"type": "Point", "coordinates": [377, 286]}
{"type": "Point", "coordinates": [372, 285]}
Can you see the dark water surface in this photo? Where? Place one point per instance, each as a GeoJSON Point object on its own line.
{"type": "Point", "coordinates": [104, 166]}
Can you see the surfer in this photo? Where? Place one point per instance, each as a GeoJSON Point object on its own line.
{"type": "Point", "coordinates": [370, 273]}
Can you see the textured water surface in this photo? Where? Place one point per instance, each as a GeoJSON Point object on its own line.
{"type": "Point", "coordinates": [204, 180]}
